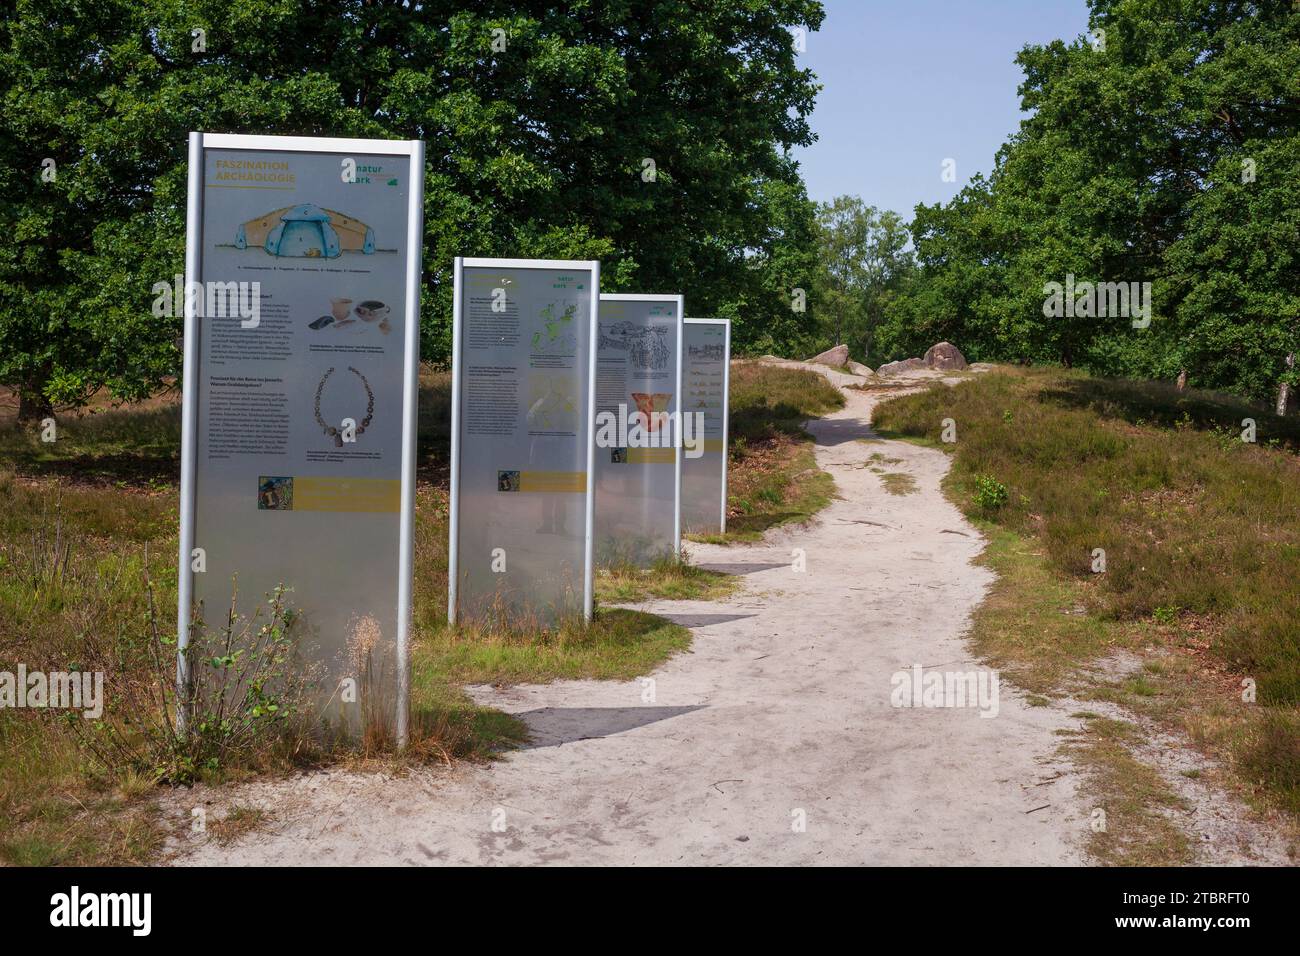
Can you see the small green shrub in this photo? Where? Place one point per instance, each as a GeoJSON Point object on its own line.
{"type": "Point", "coordinates": [990, 494]}
{"type": "Point", "coordinates": [249, 697]}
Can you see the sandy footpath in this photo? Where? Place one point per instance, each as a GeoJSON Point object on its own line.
{"type": "Point", "coordinates": [773, 741]}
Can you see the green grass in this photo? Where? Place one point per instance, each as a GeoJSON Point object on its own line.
{"type": "Point", "coordinates": [894, 482]}
{"type": "Point", "coordinates": [1201, 534]}
{"type": "Point", "coordinates": [448, 725]}
{"type": "Point", "coordinates": [618, 644]}
{"type": "Point", "coordinates": [1190, 524]}
{"type": "Point", "coordinates": [237, 822]}
{"type": "Point", "coordinates": [1160, 403]}
{"type": "Point", "coordinates": [57, 810]}
{"type": "Point", "coordinates": [1028, 626]}
{"type": "Point", "coordinates": [79, 518]}
{"type": "Point", "coordinates": [668, 579]}
{"type": "Point", "coordinates": [1269, 752]}
{"type": "Point", "coordinates": [767, 398]}
{"type": "Point", "coordinates": [898, 483]}
{"type": "Point", "coordinates": [772, 473]}
{"type": "Point", "coordinates": [1136, 801]}
{"type": "Point", "coordinates": [120, 447]}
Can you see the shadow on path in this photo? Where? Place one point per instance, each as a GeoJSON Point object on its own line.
{"type": "Point", "coordinates": [745, 567]}
{"type": "Point", "coordinates": [553, 726]}
{"type": "Point", "coordinates": [703, 618]}
{"type": "Point", "coordinates": [837, 431]}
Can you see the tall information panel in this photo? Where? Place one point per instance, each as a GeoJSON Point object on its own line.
{"type": "Point", "coordinates": [523, 375]}
{"type": "Point", "coordinates": [300, 382]}
{"type": "Point", "coordinates": [638, 467]}
{"type": "Point", "coordinates": [706, 364]}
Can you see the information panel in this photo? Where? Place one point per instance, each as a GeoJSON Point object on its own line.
{"type": "Point", "coordinates": [638, 465]}
{"type": "Point", "coordinates": [522, 407]}
{"type": "Point", "coordinates": [706, 365]}
{"type": "Point", "coordinates": [301, 365]}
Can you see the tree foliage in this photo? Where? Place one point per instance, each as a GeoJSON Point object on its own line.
{"type": "Point", "coordinates": [537, 149]}
{"type": "Point", "coordinates": [863, 259]}
{"type": "Point", "coordinates": [1161, 148]}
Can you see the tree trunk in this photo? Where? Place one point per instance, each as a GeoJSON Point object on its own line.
{"type": "Point", "coordinates": [1284, 388]}
{"type": "Point", "coordinates": [33, 407]}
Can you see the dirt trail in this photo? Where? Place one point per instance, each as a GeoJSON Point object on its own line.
{"type": "Point", "coordinates": [781, 713]}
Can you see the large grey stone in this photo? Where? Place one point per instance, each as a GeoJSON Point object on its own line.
{"type": "Point", "coordinates": [906, 365]}
{"type": "Point", "coordinates": [835, 357]}
{"type": "Point", "coordinates": [946, 357]}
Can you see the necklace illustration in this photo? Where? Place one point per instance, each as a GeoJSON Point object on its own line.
{"type": "Point", "coordinates": [329, 429]}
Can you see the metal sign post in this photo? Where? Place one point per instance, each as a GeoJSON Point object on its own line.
{"type": "Point", "coordinates": [523, 381]}
{"type": "Point", "coordinates": [301, 377]}
{"type": "Point", "coordinates": [706, 383]}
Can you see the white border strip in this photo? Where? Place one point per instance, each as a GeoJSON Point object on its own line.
{"type": "Point", "coordinates": [312, 144]}
{"type": "Point", "coordinates": [410, 450]}
{"type": "Point", "coordinates": [589, 546]}
{"type": "Point", "coordinates": [189, 428]}
{"type": "Point", "coordinates": [679, 448]}
{"type": "Point", "coordinates": [453, 501]}
{"type": "Point", "coordinates": [726, 422]}
{"type": "Point", "coordinates": [726, 408]}
{"type": "Point", "coordinates": [574, 265]}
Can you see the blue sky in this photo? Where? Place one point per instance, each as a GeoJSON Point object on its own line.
{"type": "Point", "coordinates": [910, 83]}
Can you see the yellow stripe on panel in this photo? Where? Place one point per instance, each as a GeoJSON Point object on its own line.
{"type": "Point", "coordinates": [651, 456]}
{"type": "Point", "coordinates": [347, 494]}
{"type": "Point", "coordinates": [553, 481]}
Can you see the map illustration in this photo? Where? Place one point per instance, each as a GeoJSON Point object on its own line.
{"type": "Point", "coordinates": [647, 348]}
{"type": "Point", "coordinates": [556, 335]}
{"type": "Point", "coordinates": [651, 408]}
{"type": "Point", "coordinates": [552, 406]}
{"type": "Point", "coordinates": [710, 352]}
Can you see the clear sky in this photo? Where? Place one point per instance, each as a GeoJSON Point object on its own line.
{"type": "Point", "coordinates": [910, 83]}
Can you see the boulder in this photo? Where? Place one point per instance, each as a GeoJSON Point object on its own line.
{"type": "Point", "coordinates": [946, 357]}
{"type": "Point", "coordinates": [857, 368]}
{"type": "Point", "coordinates": [906, 365]}
{"type": "Point", "coordinates": [835, 357]}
